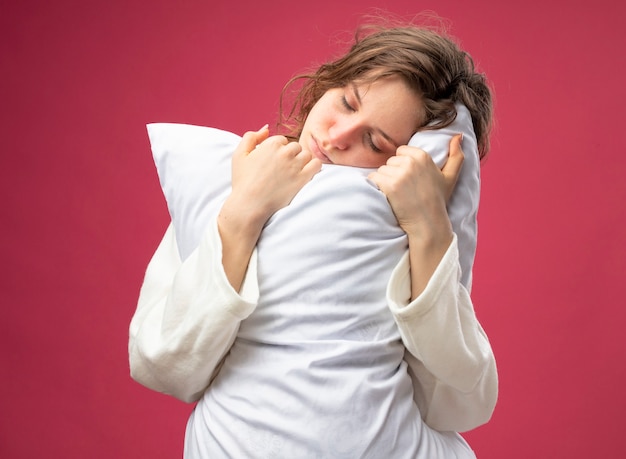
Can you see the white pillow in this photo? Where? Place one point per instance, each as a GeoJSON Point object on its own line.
{"type": "Point", "coordinates": [194, 168]}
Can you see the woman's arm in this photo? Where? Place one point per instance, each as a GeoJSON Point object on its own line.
{"type": "Point", "coordinates": [449, 356]}
{"type": "Point", "coordinates": [267, 174]}
{"type": "Point", "coordinates": [189, 312]}
{"type": "Point", "coordinates": [187, 317]}
{"type": "Point", "coordinates": [417, 192]}
{"type": "Point", "coordinates": [450, 359]}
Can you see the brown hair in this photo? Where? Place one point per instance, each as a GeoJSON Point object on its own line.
{"type": "Point", "coordinates": [430, 62]}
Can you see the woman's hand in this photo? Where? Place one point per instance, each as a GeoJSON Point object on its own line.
{"type": "Point", "coordinates": [418, 191]}
{"type": "Point", "coordinates": [267, 173]}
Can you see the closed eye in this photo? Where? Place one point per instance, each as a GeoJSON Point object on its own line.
{"type": "Point", "coordinates": [372, 145]}
{"type": "Point", "coordinates": [346, 105]}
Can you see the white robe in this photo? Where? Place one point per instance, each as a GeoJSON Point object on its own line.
{"type": "Point", "coordinates": [321, 359]}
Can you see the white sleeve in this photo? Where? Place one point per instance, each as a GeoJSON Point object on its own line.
{"type": "Point", "coordinates": [450, 359]}
{"type": "Point", "coordinates": [187, 317]}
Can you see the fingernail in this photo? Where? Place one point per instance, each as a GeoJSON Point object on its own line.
{"type": "Point", "coordinates": [266, 126]}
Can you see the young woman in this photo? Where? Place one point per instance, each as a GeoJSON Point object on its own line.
{"type": "Point", "coordinates": [281, 363]}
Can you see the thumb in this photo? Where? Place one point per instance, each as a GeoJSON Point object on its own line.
{"type": "Point", "coordinates": [251, 139]}
{"type": "Point", "coordinates": [452, 169]}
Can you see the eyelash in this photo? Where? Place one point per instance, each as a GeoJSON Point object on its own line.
{"type": "Point", "coordinates": [345, 103]}
{"type": "Point", "coordinates": [371, 143]}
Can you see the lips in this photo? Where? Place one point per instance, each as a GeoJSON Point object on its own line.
{"type": "Point", "coordinates": [318, 152]}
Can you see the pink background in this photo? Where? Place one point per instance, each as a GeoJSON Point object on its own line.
{"type": "Point", "coordinates": [82, 209]}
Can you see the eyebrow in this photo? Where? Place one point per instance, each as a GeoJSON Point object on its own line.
{"type": "Point", "coordinates": [355, 90]}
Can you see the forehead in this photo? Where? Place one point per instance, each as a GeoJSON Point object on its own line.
{"type": "Point", "coordinates": [391, 101]}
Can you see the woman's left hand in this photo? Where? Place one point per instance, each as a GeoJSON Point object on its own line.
{"type": "Point", "coordinates": [418, 190]}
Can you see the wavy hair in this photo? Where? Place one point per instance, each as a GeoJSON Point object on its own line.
{"type": "Point", "coordinates": [431, 63]}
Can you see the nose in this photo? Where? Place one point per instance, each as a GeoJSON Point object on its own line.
{"type": "Point", "coordinates": [343, 133]}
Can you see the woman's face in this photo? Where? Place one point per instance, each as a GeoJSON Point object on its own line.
{"type": "Point", "coordinates": [362, 124]}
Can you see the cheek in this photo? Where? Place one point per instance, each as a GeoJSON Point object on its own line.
{"type": "Point", "coordinates": [367, 158]}
{"type": "Point", "coordinates": [313, 118]}
{"type": "Point", "coordinates": [381, 160]}
{"type": "Point", "coordinates": [324, 112]}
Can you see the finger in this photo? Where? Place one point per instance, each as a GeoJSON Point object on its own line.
{"type": "Point", "coordinates": [287, 151]}
{"type": "Point", "coordinates": [293, 148]}
{"type": "Point", "coordinates": [277, 141]}
{"type": "Point", "coordinates": [455, 157]}
{"type": "Point", "coordinates": [383, 171]}
{"type": "Point", "coordinates": [374, 177]}
{"type": "Point", "coordinates": [380, 179]}
{"type": "Point", "coordinates": [398, 161]}
{"type": "Point", "coordinates": [312, 167]}
{"type": "Point", "coordinates": [452, 169]}
{"type": "Point", "coordinates": [251, 139]}
{"type": "Point", "coordinates": [405, 150]}
{"type": "Point", "coordinates": [262, 134]}
{"type": "Point", "coordinates": [247, 144]}
{"type": "Point", "coordinates": [304, 154]}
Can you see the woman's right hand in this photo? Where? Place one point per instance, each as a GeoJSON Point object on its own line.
{"type": "Point", "coordinates": [267, 173]}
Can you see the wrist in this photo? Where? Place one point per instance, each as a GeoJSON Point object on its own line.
{"type": "Point", "coordinates": [426, 250]}
{"type": "Point", "coordinates": [431, 242]}
{"type": "Point", "coordinates": [429, 232]}
{"type": "Point", "coordinates": [244, 221]}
